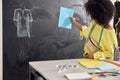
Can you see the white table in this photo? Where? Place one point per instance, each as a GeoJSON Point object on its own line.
{"type": "Point", "coordinates": [49, 70]}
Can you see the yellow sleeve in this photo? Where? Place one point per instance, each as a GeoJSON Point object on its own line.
{"type": "Point", "coordinates": [103, 55]}
{"type": "Point", "coordinates": [85, 30]}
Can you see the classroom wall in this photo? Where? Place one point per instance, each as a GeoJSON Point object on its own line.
{"type": "Point", "coordinates": [58, 43]}
{"type": "Point", "coordinates": [47, 40]}
{"type": "Point", "coordinates": [45, 31]}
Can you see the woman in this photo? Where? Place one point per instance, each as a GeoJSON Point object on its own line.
{"type": "Point", "coordinates": [99, 33]}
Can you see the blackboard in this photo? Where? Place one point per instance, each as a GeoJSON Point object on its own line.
{"type": "Point", "coordinates": [47, 42]}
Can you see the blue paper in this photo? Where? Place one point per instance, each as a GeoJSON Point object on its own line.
{"type": "Point", "coordinates": [64, 18]}
{"type": "Point", "coordinates": [107, 66]}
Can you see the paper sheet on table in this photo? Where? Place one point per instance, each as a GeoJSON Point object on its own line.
{"type": "Point", "coordinates": [107, 66]}
{"type": "Point", "coordinates": [90, 63]}
{"type": "Point", "coordinates": [64, 18]}
{"type": "Point", "coordinates": [78, 76]}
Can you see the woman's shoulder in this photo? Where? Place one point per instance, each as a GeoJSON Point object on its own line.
{"type": "Point", "coordinates": [108, 27]}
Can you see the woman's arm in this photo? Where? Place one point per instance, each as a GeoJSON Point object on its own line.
{"type": "Point", "coordinates": [77, 24]}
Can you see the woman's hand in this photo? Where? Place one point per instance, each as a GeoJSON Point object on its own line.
{"type": "Point", "coordinates": [89, 56]}
{"type": "Point", "coordinates": [73, 20]}
{"type": "Point", "coordinates": [77, 24]}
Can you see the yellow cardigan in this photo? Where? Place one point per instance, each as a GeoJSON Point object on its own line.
{"type": "Point", "coordinates": [107, 44]}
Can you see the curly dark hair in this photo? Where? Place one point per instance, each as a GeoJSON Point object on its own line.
{"type": "Point", "coordinates": [101, 11]}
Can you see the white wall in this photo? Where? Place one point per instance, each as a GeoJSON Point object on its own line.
{"type": "Point", "coordinates": [1, 69]}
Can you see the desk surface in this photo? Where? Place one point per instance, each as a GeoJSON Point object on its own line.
{"type": "Point", "coordinates": [49, 70]}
